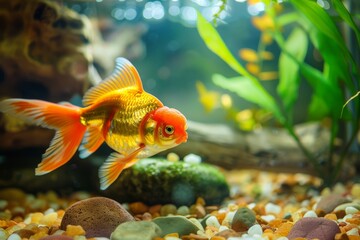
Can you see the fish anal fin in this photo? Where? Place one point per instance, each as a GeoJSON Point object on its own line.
{"type": "Point", "coordinates": [92, 141]}
{"type": "Point", "coordinates": [124, 75]}
{"type": "Point", "coordinates": [114, 165]}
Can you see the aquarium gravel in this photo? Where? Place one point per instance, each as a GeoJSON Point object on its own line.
{"type": "Point", "coordinates": [262, 206]}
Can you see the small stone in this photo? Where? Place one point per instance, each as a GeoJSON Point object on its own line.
{"type": "Point", "coordinates": [14, 236]}
{"type": "Point", "coordinates": [136, 230]}
{"type": "Point", "coordinates": [25, 233]}
{"type": "Point", "coordinates": [198, 210]}
{"type": "Point", "coordinates": [343, 207]}
{"type": "Point", "coordinates": [212, 221]}
{"type": "Point", "coordinates": [255, 230]}
{"type": "Point", "coordinates": [353, 232]}
{"type": "Point", "coordinates": [172, 157]}
{"type": "Point", "coordinates": [183, 210]}
{"type": "Point", "coordinates": [73, 231]}
{"type": "Point", "coordinates": [351, 210]}
{"type": "Point", "coordinates": [192, 158]}
{"type": "Point", "coordinates": [284, 229]}
{"type": "Point", "coordinates": [311, 228]}
{"type": "Point", "coordinates": [138, 208]}
{"type": "Point", "coordinates": [272, 208]}
{"type": "Point", "coordinates": [330, 202]}
{"type": "Point", "coordinates": [310, 214]}
{"type": "Point", "coordinates": [228, 233]}
{"type": "Point", "coordinates": [179, 224]}
{"type": "Point", "coordinates": [99, 216]}
{"type": "Point", "coordinates": [243, 219]}
{"type": "Point", "coordinates": [168, 209]}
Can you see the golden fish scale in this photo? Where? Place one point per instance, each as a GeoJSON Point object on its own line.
{"type": "Point", "coordinates": [128, 109]}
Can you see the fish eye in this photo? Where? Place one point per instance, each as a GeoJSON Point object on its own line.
{"type": "Point", "coordinates": [169, 129]}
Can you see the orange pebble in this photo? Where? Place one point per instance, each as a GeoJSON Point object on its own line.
{"type": "Point", "coordinates": [331, 216]}
{"type": "Point", "coordinates": [284, 229]}
{"type": "Point", "coordinates": [138, 208]}
{"type": "Point", "coordinates": [217, 238]}
{"type": "Point", "coordinates": [354, 237]}
{"type": "Point", "coordinates": [74, 230]}
{"type": "Point", "coordinates": [154, 209]}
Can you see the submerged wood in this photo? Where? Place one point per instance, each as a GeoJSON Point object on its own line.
{"type": "Point", "coordinates": [270, 149]}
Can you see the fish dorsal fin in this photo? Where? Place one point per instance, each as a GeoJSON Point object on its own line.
{"type": "Point", "coordinates": [124, 75]}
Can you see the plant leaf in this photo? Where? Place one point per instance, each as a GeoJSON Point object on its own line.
{"type": "Point", "coordinates": [296, 45]}
{"type": "Point", "coordinates": [344, 14]}
{"type": "Point", "coordinates": [320, 19]}
{"type": "Point", "coordinates": [329, 92]}
{"type": "Point", "coordinates": [215, 43]}
{"type": "Point", "coordinates": [246, 89]}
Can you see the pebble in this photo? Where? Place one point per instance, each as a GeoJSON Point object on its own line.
{"type": "Point", "coordinates": [271, 208]}
{"type": "Point", "coordinates": [98, 216]}
{"type": "Point", "coordinates": [355, 191]}
{"type": "Point", "coordinates": [311, 228]}
{"type": "Point", "coordinates": [243, 219]}
{"type": "Point", "coordinates": [255, 230]}
{"type": "Point", "coordinates": [351, 210]}
{"type": "Point", "coordinates": [192, 158]}
{"type": "Point", "coordinates": [183, 210]}
{"type": "Point", "coordinates": [310, 214]}
{"type": "Point", "coordinates": [168, 209]}
{"type": "Point", "coordinates": [178, 224]}
{"type": "Point", "coordinates": [212, 221]}
{"type": "Point", "coordinates": [330, 202]}
{"type": "Point", "coordinates": [136, 230]}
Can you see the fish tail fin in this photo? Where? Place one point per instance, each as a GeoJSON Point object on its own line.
{"type": "Point", "coordinates": [63, 118]}
{"type": "Point", "coordinates": [113, 166]}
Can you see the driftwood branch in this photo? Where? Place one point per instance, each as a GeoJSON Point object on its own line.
{"type": "Point", "coordinates": [266, 149]}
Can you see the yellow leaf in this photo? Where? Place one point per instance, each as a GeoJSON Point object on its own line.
{"type": "Point", "coordinates": [263, 23]}
{"type": "Point", "coordinates": [266, 76]}
{"type": "Point", "coordinates": [253, 68]}
{"type": "Point", "coordinates": [209, 99]}
{"type": "Point", "coordinates": [248, 55]}
{"type": "Point", "coordinates": [266, 55]}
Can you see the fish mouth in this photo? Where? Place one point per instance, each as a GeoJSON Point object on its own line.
{"type": "Point", "coordinates": [182, 139]}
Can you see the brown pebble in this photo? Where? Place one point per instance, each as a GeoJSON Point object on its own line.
{"type": "Point", "coordinates": [340, 214]}
{"type": "Point", "coordinates": [198, 210]}
{"type": "Point", "coordinates": [99, 216]}
{"type": "Point", "coordinates": [320, 212]}
{"type": "Point", "coordinates": [25, 233]}
{"type": "Point", "coordinates": [341, 236]}
{"type": "Point", "coordinates": [228, 233]}
{"type": "Point", "coordinates": [217, 238]}
{"type": "Point", "coordinates": [155, 209]}
{"type": "Point", "coordinates": [210, 209]}
{"type": "Point", "coordinates": [138, 208]}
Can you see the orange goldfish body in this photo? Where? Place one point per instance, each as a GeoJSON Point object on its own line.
{"type": "Point", "coordinates": [118, 111]}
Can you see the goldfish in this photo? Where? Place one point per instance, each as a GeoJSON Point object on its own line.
{"type": "Point", "coordinates": [118, 111]}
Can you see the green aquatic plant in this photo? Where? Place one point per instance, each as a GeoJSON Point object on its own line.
{"type": "Point", "coordinates": [339, 77]}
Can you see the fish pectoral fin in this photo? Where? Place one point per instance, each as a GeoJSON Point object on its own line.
{"type": "Point", "coordinates": [91, 142]}
{"type": "Point", "coordinates": [114, 165]}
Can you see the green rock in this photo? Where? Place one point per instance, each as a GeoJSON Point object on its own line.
{"type": "Point", "coordinates": [178, 224]}
{"type": "Point", "coordinates": [137, 230]}
{"type": "Point", "coordinates": [158, 181]}
{"type": "Point", "coordinates": [243, 219]}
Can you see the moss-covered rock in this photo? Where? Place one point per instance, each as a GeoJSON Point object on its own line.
{"type": "Point", "coordinates": [158, 181]}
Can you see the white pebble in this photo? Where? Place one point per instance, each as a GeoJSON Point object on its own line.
{"type": "Point", "coordinates": [347, 216]}
{"type": "Point", "coordinates": [353, 231]}
{"type": "Point", "coordinates": [192, 158]}
{"type": "Point", "coordinates": [255, 230]}
{"type": "Point", "coordinates": [212, 221]}
{"type": "Point", "coordinates": [251, 205]}
{"type": "Point", "coordinates": [272, 208]}
{"type": "Point", "coordinates": [3, 234]}
{"type": "Point", "coordinates": [268, 218]}
{"type": "Point", "coordinates": [310, 214]}
{"type": "Point", "coordinates": [50, 210]}
{"type": "Point", "coordinates": [14, 236]}
{"type": "Point", "coordinates": [351, 210]}
{"type": "Point", "coordinates": [223, 228]}
{"type": "Point", "coordinates": [282, 238]}
{"type": "Point", "coordinates": [172, 238]}
{"type": "Point", "coordinates": [228, 218]}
